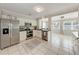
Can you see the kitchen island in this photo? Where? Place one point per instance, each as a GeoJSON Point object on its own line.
{"type": "Point", "coordinates": [42, 34]}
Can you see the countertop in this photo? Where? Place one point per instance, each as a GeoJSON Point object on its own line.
{"type": "Point", "coordinates": [22, 30]}
{"type": "Point", "coordinates": [42, 30]}
{"type": "Point", "coordinates": [36, 29]}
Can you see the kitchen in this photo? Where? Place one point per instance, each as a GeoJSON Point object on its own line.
{"type": "Point", "coordinates": [38, 29]}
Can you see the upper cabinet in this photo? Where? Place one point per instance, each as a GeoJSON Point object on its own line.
{"type": "Point", "coordinates": [26, 20]}
{"type": "Point", "coordinates": [33, 22]}
{"type": "Point", "coordinates": [21, 21]}
{"type": "Point", "coordinates": [6, 14]}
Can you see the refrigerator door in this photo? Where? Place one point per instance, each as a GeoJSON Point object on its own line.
{"type": "Point", "coordinates": [5, 33]}
{"type": "Point", "coordinates": [14, 32]}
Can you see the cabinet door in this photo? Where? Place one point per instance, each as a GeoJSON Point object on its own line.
{"type": "Point", "coordinates": [22, 36]}
{"type": "Point", "coordinates": [34, 33]}
{"type": "Point", "coordinates": [5, 33]}
{"type": "Point", "coordinates": [14, 32]}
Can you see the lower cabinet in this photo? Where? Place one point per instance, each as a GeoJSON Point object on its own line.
{"type": "Point", "coordinates": [37, 33]}
{"type": "Point", "coordinates": [22, 36]}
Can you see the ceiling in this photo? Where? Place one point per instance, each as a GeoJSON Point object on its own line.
{"type": "Point", "coordinates": [49, 8]}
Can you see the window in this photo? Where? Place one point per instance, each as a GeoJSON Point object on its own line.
{"type": "Point", "coordinates": [65, 22]}
{"type": "Point", "coordinates": [67, 25]}
{"type": "Point", "coordinates": [43, 23]}
{"type": "Point", "coordinates": [55, 26]}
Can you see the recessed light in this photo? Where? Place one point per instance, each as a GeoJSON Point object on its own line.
{"type": "Point", "coordinates": [38, 9]}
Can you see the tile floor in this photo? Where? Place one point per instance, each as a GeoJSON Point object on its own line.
{"type": "Point", "coordinates": [32, 46]}
{"type": "Point", "coordinates": [66, 44]}
{"type": "Point", "coordinates": [58, 45]}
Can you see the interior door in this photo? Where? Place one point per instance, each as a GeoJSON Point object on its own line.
{"type": "Point", "coordinates": [5, 33]}
{"type": "Point", "coordinates": [14, 32]}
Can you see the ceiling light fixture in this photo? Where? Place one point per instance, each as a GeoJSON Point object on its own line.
{"type": "Point", "coordinates": [38, 9]}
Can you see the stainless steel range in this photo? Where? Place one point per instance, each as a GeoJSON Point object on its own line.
{"type": "Point", "coordinates": [9, 32]}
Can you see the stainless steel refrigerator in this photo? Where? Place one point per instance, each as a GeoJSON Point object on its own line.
{"type": "Point", "coordinates": [9, 32]}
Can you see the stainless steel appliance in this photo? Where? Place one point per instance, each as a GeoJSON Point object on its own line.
{"type": "Point", "coordinates": [45, 35]}
{"type": "Point", "coordinates": [29, 30]}
{"type": "Point", "coordinates": [9, 32]}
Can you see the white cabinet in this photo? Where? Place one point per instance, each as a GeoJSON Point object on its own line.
{"type": "Point", "coordinates": [21, 21]}
{"type": "Point", "coordinates": [34, 33]}
{"type": "Point", "coordinates": [33, 22]}
{"type": "Point", "coordinates": [26, 20]}
{"type": "Point", "coordinates": [37, 33]}
{"type": "Point", "coordinates": [22, 36]}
